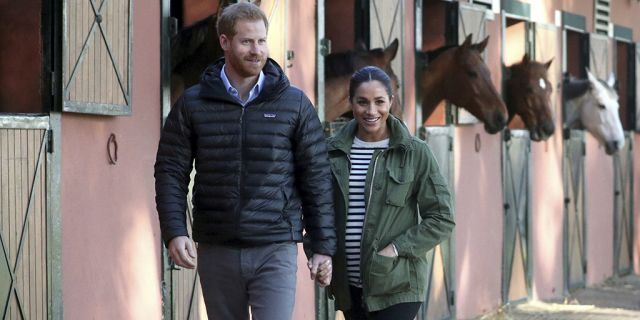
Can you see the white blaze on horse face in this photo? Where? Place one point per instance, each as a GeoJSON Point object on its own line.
{"type": "Point", "coordinates": [542, 83]}
{"type": "Point", "coordinates": [600, 115]}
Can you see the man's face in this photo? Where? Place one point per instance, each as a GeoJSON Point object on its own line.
{"type": "Point", "coordinates": [246, 52]}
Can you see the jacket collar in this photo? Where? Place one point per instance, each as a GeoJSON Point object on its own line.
{"type": "Point", "coordinates": [212, 86]}
{"type": "Point", "coordinates": [399, 136]}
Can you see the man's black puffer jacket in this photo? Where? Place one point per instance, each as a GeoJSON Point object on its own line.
{"type": "Point", "coordinates": [259, 168]}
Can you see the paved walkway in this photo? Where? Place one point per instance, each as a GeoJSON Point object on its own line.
{"type": "Point", "coordinates": [612, 300]}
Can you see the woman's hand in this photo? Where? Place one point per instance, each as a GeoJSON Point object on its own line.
{"type": "Point", "coordinates": [320, 269]}
{"type": "Point", "coordinates": [388, 251]}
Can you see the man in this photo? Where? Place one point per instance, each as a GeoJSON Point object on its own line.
{"type": "Point", "coordinates": [262, 174]}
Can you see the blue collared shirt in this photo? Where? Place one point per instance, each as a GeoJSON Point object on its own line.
{"type": "Point", "coordinates": [253, 93]}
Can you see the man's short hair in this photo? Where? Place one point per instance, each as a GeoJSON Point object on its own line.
{"type": "Point", "coordinates": [239, 11]}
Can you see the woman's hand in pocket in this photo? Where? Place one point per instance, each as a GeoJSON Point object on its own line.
{"type": "Point", "coordinates": [388, 251]}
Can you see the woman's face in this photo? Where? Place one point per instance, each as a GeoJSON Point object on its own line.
{"type": "Point", "coordinates": [370, 105]}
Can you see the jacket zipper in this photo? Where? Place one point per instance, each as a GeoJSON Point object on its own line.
{"type": "Point", "coordinates": [364, 223]}
{"type": "Point", "coordinates": [241, 173]}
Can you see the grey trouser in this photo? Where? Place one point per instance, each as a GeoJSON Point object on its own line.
{"type": "Point", "coordinates": [234, 279]}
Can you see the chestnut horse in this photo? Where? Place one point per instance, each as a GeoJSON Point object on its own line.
{"type": "Point", "coordinates": [528, 95]}
{"type": "Point", "coordinates": [459, 75]}
{"type": "Point", "coordinates": [340, 66]}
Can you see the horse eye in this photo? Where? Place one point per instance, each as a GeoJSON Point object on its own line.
{"type": "Point", "coordinates": [472, 74]}
{"type": "Point", "coordinates": [601, 106]}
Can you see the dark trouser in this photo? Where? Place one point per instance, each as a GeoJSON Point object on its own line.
{"type": "Point", "coordinates": [236, 279]}
{"type": "Point", "coordinates": [400, 311]}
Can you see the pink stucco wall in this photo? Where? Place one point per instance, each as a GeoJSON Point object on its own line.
{"type": "Point", "coordinates": [547, 197]}
{"type": "Point", "coordinates": [598, 212]}
{"type": "Point", "coordinates": [110, 237]}
{"type": "Point", "coordinates": [301, 36]}
{"type": "Point", "coordinates": [636, 203]}
{"type": "Point", "coordinates": [625, 13]}
{"type": "Point", "coordinates": [547, 207]}
{"type": "Point", "coordinates": [478, 233]}
{"type": "Point", "coordinates": [478, 192]}
{"type": "Point", "coordinates": [409, 97]}
{"type": "Point", "coordinates": [579, 7]}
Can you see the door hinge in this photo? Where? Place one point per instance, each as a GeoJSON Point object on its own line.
{"type": "Point", "coordinates": [325, 47]}
{"type": "Point", "coordinates": [49, 146]}
{"type": "Point", "coordinates": [173, 26]}
{"type": "Point", "coordinates": [54, 83]}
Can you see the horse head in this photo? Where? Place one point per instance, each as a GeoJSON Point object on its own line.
{"type": "Point", "coordinates": [340, 66]}
{"type": "Point", "coordinates": [459, 74]}
{"type": "Point", "coordinates": [528, 93]}
{"type": "Point", "coordinates": [592, 104]}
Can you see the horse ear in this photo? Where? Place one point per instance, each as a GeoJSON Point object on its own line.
{"type": "Point", "coordinates": [548, 64]}
{"type": "Point", "coordinates": [590, 76]}
{"type": "Point", "coordinates": [361, 46]}
{"type": "Point", "coordinates": [525, 58]}
{"type": "Point", "coordinates": [467, 40]}
{"type": "Point", "coordinates": [391, 50]}
{"type": "Point", "coordinates": [482, 45]}
{"type": "Point", "coordinates": [611, 81]}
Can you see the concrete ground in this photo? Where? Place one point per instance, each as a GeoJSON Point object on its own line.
{"type": "Point", "coordinates": [616, 298]}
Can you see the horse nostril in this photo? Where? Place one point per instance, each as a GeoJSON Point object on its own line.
{"type": "Point", "coordinates": [548, 128]}
{"type": "Point", "coordinates": [500, 119]}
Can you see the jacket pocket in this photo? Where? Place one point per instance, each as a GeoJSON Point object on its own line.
{"type": "Point", "coordinates": [284, 217]}
{"type": "Point", "coordinates": [398, 188]}
{"type": "Point", "coordinates": [388, 275]}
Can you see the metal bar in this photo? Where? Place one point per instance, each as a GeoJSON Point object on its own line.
{"type": "Point", "coordinates": [111, 57]}
{"type": "Point", "coordinates": [192, 295]}
{"type": "Point", "coordinates": [393, 24]}
{"type": "Point", "coordinates": [10, 121]}
{"type": "Point", "coordinates": [53, 225]}
{"type": "Point", "coordinates": [83, 51]}
{"type": "Point", "coordinates": [23, 313]}
{"type": "Point", "coordinates": [25, 224]}
{"type": "Point", "coordinates": [97, 108]}
{"type": "Point", "coordinates": [11, 275]}
{"type": "Point", "coordinates": [375, 10]}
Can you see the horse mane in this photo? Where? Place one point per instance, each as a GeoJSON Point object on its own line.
{"type": "Point", "coordinates": [573, 88]}
{"type": "Point", "coordinates": [187, 41]}
{"type": "Point", "coordinates": [433, 54]}
{"type": "Point", "coordinates": [340, 64]}
{"type": "Point", "coordinates": [345, 63]}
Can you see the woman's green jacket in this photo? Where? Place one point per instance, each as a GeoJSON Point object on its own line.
{"type": "Point", "coordinates": [407, 203]}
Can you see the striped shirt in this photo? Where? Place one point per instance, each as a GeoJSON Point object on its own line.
{"type": "Point", "coordinates": [361, 154]}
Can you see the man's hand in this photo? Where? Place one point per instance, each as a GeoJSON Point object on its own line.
{"type": "Point", "coordinates": [183, 252]}
{"type": "Point", "coordinates": [320, 269]}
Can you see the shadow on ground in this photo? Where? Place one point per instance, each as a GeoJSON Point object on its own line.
{"type": "Point", "coordinates": [616, 298]}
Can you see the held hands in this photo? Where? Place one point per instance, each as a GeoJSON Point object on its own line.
{"type": "Point", "coordinates": [320, 269]}
{"type": "Point", "coordinates": [183, 252]}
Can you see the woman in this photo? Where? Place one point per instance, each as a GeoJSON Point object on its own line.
{"type": "Point", "coordinates": [384, 180]}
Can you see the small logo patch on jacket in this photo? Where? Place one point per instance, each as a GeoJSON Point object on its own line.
{"type": "Point", "coordinates": [269, 115]}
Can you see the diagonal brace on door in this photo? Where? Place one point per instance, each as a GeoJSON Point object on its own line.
{"type": "Point", "coordinates": [13, 289]}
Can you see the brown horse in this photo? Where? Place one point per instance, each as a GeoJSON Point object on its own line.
{"type": "Point", "coordinates": [459, 75]}
{"type": "Point", "coordinates": [340, 66]}
{"type": "Point", "coordinates": [192, 50]}
{"type": "Point", "coordinates": [528, 95]}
